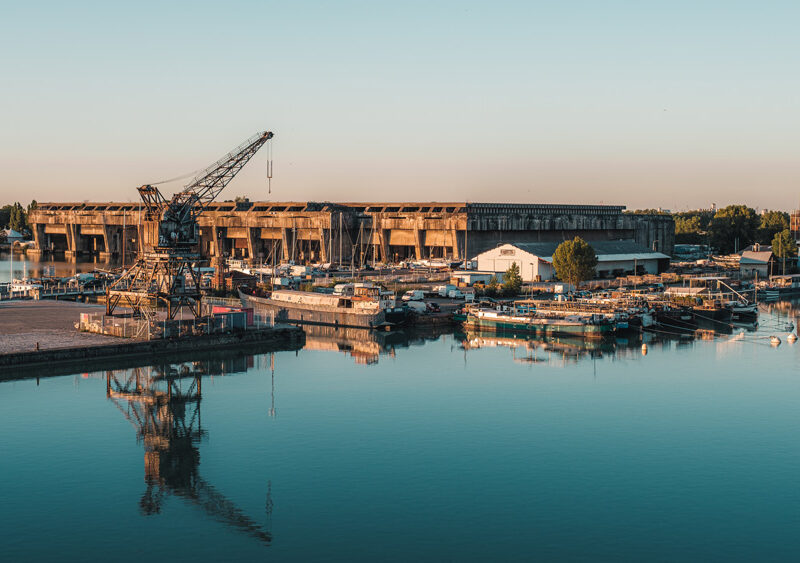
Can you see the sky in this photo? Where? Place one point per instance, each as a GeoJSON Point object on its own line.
{"type": "Point", "coordinates": [645, 104]}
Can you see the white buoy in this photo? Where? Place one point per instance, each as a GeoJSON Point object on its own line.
{"type": "Point", "coordinates": [792, 338]}
{"type": "Point", "coordinates": [774, 340]}
{"type": "Point", "coordinates": [644, 349]}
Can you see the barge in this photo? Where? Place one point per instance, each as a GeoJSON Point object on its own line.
{"type": "Point", "coordinates": [573, 325]}
{"type": "Point", "coordinates": [367, 307]}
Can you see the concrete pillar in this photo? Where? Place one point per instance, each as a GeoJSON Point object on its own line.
{"type": "Point", "coordinates": [286, 241]}
{"type": "Point", "coordinates": [454, 244]}
{"type": "Point", "coordinates": [217, 242]}
{"type": "Point", "coordinates": [323, 242]}
{"type": "Point", "coordinates": [40, 240]}
{"type": "Point", "coordinates": [107, 251]}
{"type": "Point", "coordinates": [251, 243]}
{"type": "Point", "coordinates": [419, 242]}
{"type": "Point", "coordinates": [73, 241]}
{"type": "Point", "coordinates": [383, 240]}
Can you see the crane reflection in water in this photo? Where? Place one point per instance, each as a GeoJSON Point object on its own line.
{"type": "Point", "coordinates": [162, 402]}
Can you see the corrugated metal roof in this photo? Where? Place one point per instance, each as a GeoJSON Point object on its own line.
{"type": "Point", "coordinates": [753, 257]}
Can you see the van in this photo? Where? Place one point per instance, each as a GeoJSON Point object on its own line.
{"type": "Point", "coordinates": [413, 295]}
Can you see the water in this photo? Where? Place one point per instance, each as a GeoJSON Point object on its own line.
{"type": "Point", "coordinates": [431, 447]}
{"type": "Point", "coordinates": [22, 265]}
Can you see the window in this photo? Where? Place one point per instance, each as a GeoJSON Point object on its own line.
{"type": "Point", "coordinates": [507, 252]}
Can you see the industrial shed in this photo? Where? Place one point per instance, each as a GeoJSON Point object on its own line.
{"type": "Point", "coordinates": [535, 259]}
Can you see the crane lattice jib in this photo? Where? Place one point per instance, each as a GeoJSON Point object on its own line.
{"type": "Point", "coordinates": [208, 184]}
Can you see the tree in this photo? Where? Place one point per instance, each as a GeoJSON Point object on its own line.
{"type": "Point", "coordinates": [491, 289]}
{"type": "Point", "coordinates": [5, 216]}
{"type": "Point", "coordinates": [18, 219]}
{"type": "Point", "coordinates": [733, 228]}
{"type": "Point", "coordinates": [784, 246]}
{"type": "Point", "coordinates": [512, 280]}
{"type": "Point", "coordinates": [772, 223]}
{"type": "Point", "coordinates": [691, 227]}
{"type": "Point", "coordinates": [574, 261]}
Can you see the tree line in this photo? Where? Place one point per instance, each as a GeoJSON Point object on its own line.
{"type": "Point", "coordinates": [730, 228]}
{"type": "Point", "coordinates": [15, 216]}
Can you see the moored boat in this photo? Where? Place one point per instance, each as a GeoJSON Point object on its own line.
{"type": "Point", "coordinates": [499, 321]}
{"type": "Point", "coordinates": [366, 307]}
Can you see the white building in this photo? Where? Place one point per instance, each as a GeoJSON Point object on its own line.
{"type": "Point", "coordinates": [535, 259]}
{"type": "Point", "coordinates": [757, 262]}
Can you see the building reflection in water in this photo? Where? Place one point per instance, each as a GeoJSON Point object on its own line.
{"type": "Point", "coordinates": [563, 350]}
{"type": "Point", "coordinates": [162, 402]}
{"type": "Point", "coordinates": [364, 345]}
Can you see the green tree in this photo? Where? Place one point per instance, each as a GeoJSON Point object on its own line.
{"type": "Point", "coordinates": [491, 289]}
{"type": "Point", "coordinates": [512, 280]}
{"type": "Point", "coordinates": [574, 261]}
{"type": "Point", "coordinates": [18, 219]}
{"type": "Point", "coordinates": [772, 223]}
{"type": "Point", "coordinates": [784, 246]}
{"type": "Point", "coordinates": [691, 227]}
{"type": "Point", "coordinates": [5, 216]}
{"type": "Point", "coordinates": [733, 228]}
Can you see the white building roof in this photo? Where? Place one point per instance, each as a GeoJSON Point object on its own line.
{"type": "Point", "coordinates": [606, 251]}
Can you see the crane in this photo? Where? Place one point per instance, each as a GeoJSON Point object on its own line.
{"type": "Point", "coordinates": [162, 403]}
{"type": "Point", "coordinates": [170, 237]}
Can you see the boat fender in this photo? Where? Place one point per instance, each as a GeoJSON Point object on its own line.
{"type": "Point", "coordinates": [644, 349]}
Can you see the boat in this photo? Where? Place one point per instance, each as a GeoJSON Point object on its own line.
{"type": "Point", "coordinates": [367, 307]}
{"type": "Point", "coordinates": [678, 319]}
{"type": "Point", "coordinates": [743, 312]}
{"type": "Point", "coordinates": [571, 325]}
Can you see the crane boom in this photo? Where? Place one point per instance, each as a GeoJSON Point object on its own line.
{"type": "Point", "coordinates": [177, 217]}
{"type": "Point", "coordinates": [171, 235]}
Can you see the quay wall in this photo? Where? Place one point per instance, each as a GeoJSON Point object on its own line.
{"type": "Point", "coordinates": [265, 340]}
{"type": "Point", "coordinates": [341, 232]}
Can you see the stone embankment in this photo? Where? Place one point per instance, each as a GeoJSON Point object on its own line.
{"type": "Point", "coordinates": [259, 340]}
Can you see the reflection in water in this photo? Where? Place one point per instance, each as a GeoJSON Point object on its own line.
{"type": "Point", "coordinates": [162, 402]}
{"type": "Point", "coordinates": [562, 350]}
{"type": "Point", "coordinates": [364, 345]}
{"type": "Point", "coordinates": [24, 267]}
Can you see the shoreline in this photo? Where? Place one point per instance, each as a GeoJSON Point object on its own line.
{"type": "Point", "coordinates": [280, 338]}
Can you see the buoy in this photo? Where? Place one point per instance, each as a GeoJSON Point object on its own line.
{"type": "Point", "coordinates": [774, 340]}
{"type": "Point", "coordinates": [791, 338]}
{"type": "Point", "coordinates": [644, 349]}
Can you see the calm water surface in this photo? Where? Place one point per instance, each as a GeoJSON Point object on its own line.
{"type": "Point", "coordinates": [449, 447]}
{"type": "Point", "coordinates": [21, 266]}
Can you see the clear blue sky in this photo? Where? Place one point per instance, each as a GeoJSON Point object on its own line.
{"type": "Point", "coordinates": [672, 104]}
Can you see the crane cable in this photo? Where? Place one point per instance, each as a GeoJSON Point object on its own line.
{"type": "Point", "coordinates": [269, 166]}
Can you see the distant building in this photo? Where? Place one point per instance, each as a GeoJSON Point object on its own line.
{"type": "Point", "coordinates": [756, 260]}
{"type": "Point", "coordinates": [535, 259]}
{"type": "Point", "coordinates": [11, 236]}
{"type": "Point", "coordinates": [794, 224]}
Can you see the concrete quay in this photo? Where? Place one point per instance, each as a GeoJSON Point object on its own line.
{"type": "Point", "coordinates": [62, 346]}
